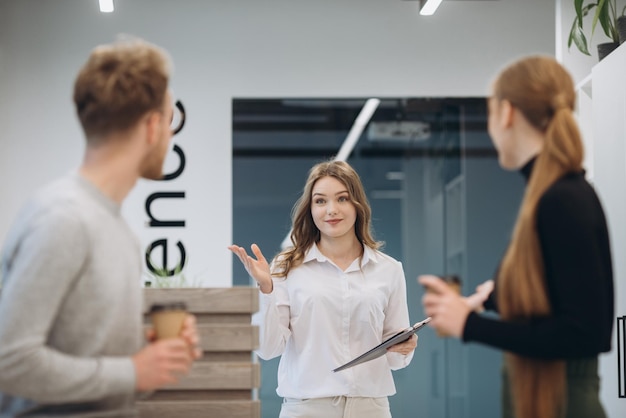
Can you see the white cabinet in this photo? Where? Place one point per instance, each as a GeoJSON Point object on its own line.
{"type": "Point", "coordinates": [602, 116]}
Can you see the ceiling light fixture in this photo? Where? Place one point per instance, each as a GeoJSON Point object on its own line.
{"type": "Point", "coordinates": [428, 7]}
{"type": "Point", "coordinates": [357, 128]}
{"type": "Point", "coordinates": [106, 6]}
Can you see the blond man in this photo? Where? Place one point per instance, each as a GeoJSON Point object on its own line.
{"type": "Point", "coordinates": [71, 306]}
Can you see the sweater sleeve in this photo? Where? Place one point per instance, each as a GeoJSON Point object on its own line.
{"type": "Point", "coordinates": [42, 265]}
{"type": "Point", "coordinates": [490, 304]}
{"type": "Point", "coordinates": [574, 245]}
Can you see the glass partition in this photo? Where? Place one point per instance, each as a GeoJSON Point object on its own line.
{"type": "Point", "coordinates": [440, 203]}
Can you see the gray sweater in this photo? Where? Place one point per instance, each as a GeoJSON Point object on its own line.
{"type": "Point", "coordinates": [70, 306]}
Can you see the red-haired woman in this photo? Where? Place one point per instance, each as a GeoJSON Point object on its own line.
{"type": "Point", "coordinates": [554, 286]}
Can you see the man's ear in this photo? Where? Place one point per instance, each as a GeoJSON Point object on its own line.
{"type": "Point", "coordinates": [153, 122]}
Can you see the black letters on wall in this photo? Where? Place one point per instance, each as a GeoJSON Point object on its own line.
{"type": "Point", "coordinates": [161, 267]}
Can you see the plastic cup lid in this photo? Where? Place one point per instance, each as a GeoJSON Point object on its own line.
{"type": "Point", "coordinates": [168, 306]}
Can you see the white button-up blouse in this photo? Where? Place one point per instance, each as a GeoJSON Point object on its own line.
{"type": "Point", "coordinates": [320, 317]}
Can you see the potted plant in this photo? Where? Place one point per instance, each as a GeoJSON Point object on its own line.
{"type": "Point", "coordinates": [621, 26]}
{"type": "Point", "coordinates": [605, 12]}
{"type": "Point", "coordinates": [163, 278]}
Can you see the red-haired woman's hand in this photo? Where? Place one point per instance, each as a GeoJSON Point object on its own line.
{"type": "Point", "coordinates": [447, 308]}
{"type": "Point", "coordinates": [477, 300]}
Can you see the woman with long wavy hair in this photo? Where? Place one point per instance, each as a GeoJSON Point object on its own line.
{"type": "Point", "coordinates": [330, 297]}
{"type": "Point", "coordinates": [554, 286]}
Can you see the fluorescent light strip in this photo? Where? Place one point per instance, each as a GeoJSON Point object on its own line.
{"type": "Point", "coordinates": [106, 6]}
{"type": "Point", "coordinates": [357, 128]}
{"type": "Point", "coordinates": [429, 7]}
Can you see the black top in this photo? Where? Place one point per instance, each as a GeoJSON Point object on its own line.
{"type": "Point", "coordinates": [575, 247]}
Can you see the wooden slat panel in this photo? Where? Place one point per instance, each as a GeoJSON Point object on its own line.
{"type": "Point", "coordinates": [200, 409]}
{"type": "Point", "coordinates": [227, 356]}
{"type": "Point", "coordinates": [233, 337]}
{"type": "Point", "coordinates": [223, 318]}
{"type": "Point", "coordinates": [209, 375]}
{"type": "Point", "coordinates": [220, 384]}
{"type": "Point", "coordinates": [221, 337]}
{"type": "Point", "coordinates": [208, 300]}
{"type": "Point", "coordinates": [200, 395]}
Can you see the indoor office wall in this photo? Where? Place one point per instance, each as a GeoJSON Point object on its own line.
{"type": "Point", "coordinates": [225, 49]}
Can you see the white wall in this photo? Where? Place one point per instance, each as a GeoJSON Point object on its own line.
{"type": "Point", "coordinates": [243, 48]}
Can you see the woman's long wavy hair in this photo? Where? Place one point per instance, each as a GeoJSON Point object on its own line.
{"type": "Point", "coordinates": [304, 232]}
{"type": "Point", "coordinates": [543, 91]}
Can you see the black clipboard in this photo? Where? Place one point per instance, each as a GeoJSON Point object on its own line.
{"type": "Point", "coordinates": [381, 348]}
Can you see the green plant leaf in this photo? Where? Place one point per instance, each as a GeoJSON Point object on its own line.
{"type": "Point", "coordinates": [585, 12]}
{"type": "Point", "coordinates": [603, 16]}
{"type": "Point", "coordinates": [613, 16]}
{"type": "Point", "coordinates": [578, 6]}
{"type": "Point", "coordinates": [577, 36]}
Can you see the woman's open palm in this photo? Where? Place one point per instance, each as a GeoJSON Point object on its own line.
{"type": "Point", "coordinates": [257, 267]}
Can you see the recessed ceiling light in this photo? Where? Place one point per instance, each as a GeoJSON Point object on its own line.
{"type": "Point", "coordinates": [106, 6]}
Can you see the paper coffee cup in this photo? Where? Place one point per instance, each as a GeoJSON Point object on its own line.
{"type": "Point", "coordinates": [168, 318]}
{"type": "Point", "coordinates": [454, 282]}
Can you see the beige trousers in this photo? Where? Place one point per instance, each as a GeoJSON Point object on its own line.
{"type": "Point", "coordinates": [335, 407]}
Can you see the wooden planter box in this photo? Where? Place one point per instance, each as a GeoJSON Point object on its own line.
{"type": "Point", "coordinates": [220, 384]}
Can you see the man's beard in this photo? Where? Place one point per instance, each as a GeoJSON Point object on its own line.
{"type": "Point", "coordinates": [153, 168]}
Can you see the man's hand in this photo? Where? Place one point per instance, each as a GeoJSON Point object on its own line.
{"type": "Point", "coordinates": [189, 333]}
{"type": "Point", "coordinates": [161, 363]}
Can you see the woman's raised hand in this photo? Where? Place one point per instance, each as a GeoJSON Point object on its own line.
{"type": "Point", "coordinates": [258, 268]}
{"type": "Point", "coordinates": [477, 300]}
